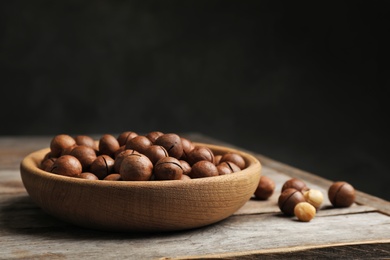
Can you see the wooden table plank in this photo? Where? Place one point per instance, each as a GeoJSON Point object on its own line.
{"type": "Point", "coordinates": [341, 251]}
{"type": "Point", "coordinates": [36, 232]}
{"type": "Point", "coordinates": [256, 229]}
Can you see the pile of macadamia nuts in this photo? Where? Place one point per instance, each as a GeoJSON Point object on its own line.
{"type": "Point", "coordinates": [134, 157]}
{"type": "Point", "coordinates": [296, 199]}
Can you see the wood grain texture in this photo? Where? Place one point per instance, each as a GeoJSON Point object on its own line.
{"type": "Point", "coordinates": [256, 231]}
{"type": "Point", "coordinates": [32, 231]}
{"type": "Point", "coordinates": [339, 251]}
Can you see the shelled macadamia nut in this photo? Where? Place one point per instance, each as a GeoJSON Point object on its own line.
{"type": "Point", "coordinates": [304, 211]}
{"type": "Point", "coordinates": [314, 197]}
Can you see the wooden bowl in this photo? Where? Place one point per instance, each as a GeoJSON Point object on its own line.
{"type": "Point", "coordinates": [140, 206]}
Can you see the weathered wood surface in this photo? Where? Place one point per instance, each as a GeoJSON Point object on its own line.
{"type": "Point", "coordinates": [257, 229]}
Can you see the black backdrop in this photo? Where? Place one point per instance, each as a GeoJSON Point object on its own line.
{"type": "Point", "coordinates": [304, 83]}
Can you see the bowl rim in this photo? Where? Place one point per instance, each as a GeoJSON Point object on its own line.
{"type": "Point", "coordinates": [30, 165]}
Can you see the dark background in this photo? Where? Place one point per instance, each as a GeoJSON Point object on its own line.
{"type": "Point", "coordinates": [305, 83]}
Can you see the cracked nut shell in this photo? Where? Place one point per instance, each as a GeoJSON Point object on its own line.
{"type": "Point", "coordinates": [341, 194]}
{"type": "Point", "coordinates": [288, 199]}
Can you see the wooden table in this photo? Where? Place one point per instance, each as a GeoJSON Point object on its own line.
{"type": "Point", "coordinates": [257, 230]}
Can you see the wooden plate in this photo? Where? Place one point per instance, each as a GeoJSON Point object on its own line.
{"type": "Point", "coordinates": [141, 206]}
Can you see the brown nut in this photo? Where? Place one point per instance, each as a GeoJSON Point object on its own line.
{"type": "Point", "coordinates": [265, 188]}
{"type": "Point", "coordinates": [304, 211]}
{"type": "Point", "coordinates": [227, 168]}
{"type": "Point", "coordinates": [47, 164]}
{"type": "Point", "coordinates": [186, 167]}
{"type": "Point", "coordinates": [172, 143]}
{"type": "Point", "coordinates": [185, 177]}
{"type": "Point", "coordinates": [136, 167]}
{"type": "Point", "coordinates": [86, 140]}
{"type": "Point", "coordinates": [139, 143]}
{"type": "Point", "coordinates": [152, 136]}
{"type": "Point", "coordinates": [203, 169]}
{"type": "Point", "coordinates": [155, 153]}
{"type": "Point", "coordinates": [59, 143]}
{"type": "Point", "coordinates": [117, 152]}
{"type": "Point", "coordinates": [68, 150]}
{"type": "Point", "coordinates": [119, 158]}
{"type": "Point", "coordinates": [234, 158]}
{"type": "Point", "coordinates": [102, 166]}
{"type": "Point", "coordinates": [48, 155]}
{"type": "Point", "coordinates": [168, 168]}
{"type": "Point", "coordinates": [88, 176]}
{"type": "Point", "coordinates": [67, 165]}
{"type": "Point", "coordinates": [108, 144]}
{"type": "Point", "coordinates": [126, 136]}
{"type": "Point", "coordinates": [341, 194]}
{"type": "Point", "coordinates": [217, 159]}
{"type": "Point", "coordinates": [113, 177]}
{"type": "Point", "coordinates": [200, 153]}
{"type": "Point", "coordinates": [288, 199]}
{"type": "Point", "coordinates": [85, 154]}
{"type": "Point", "coordinates": [295, 184]}
{"type": "Point", "coordinates": [187, 147]}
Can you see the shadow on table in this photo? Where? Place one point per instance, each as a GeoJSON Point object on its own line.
{"type": "Point", "coordinates": [22, 216]}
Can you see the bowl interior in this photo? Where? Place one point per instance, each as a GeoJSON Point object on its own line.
{"type": "Point", "coordinates": [141, 205]}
